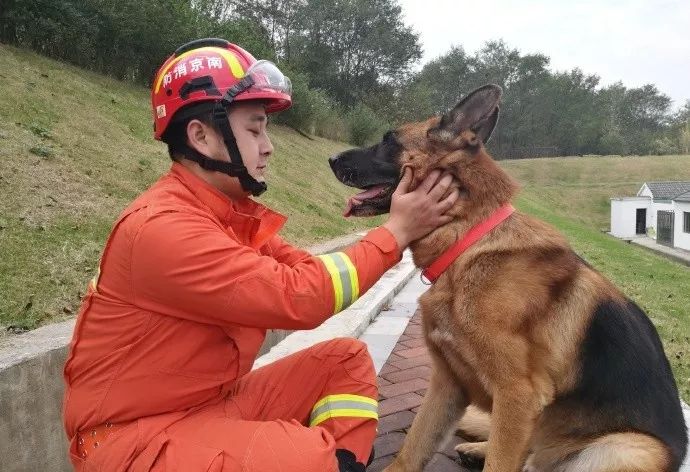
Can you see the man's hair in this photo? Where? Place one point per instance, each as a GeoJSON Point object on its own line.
{"type": "Point", "coordinates": [175, 135]}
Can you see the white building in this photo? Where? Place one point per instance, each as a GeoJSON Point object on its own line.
{"type": "Point", "coordinates": [661, 210]}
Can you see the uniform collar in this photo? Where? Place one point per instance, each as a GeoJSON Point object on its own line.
{"type": "Point", "coordinates": [253, 222]}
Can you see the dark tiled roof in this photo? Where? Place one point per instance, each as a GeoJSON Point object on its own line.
{"type": "Point", "coordinates": [683, 198]}
{"type": "Point", "coordinates": [668, 190]}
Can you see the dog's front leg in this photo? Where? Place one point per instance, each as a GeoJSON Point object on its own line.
{"type": "Point", "coordinates": [443, 404]}
{"type": "Point", "coordinates": [513, 417]}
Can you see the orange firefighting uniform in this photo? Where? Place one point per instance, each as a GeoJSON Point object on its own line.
{"type": "Point", "coordinates": [164, 343]}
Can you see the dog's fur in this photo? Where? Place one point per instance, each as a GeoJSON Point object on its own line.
{"type": "Point", "coordinates": [573, 372]}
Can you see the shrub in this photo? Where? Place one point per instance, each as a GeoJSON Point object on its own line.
{"type": "Point", "coordinates": [663, 146]}
{"type": "Point", "coordinates": [364, 125]}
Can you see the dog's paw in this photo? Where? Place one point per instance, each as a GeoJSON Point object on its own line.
{"type": "Point", "coordinates": [471, 454]}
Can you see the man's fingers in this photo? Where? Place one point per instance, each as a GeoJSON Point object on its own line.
{"type": "Point", "coordinates": [445, 219]}
{"type": "Point", "coordinates": [450, 200]}
{"type": "Point", "coordinates": [441, 187]}
{"type": "Point", "coordinates": [404, 184]}
{"type": "Point", "coordinates": [430, 180]}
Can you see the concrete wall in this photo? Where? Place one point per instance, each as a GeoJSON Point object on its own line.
{"type": "Point", "coordinates": [31, 434]}
{"type": "Point", "coordinates": [681, 239]}
{"type": "Point", "coordinates": [31, 388]}
{"type": "Point", "coordinates": [624, 215]}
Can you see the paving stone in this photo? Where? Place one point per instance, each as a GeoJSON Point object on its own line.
{"type": "Point", "coordinates": [387, 369]}
{"type": "Point", "coordinates": [413, 329]}
{"type": "Point", "coordinates": [411, 342]}
{"type": "Point", "coordinates": [440, 463]}
{"type": "Point", "coordinates": [395, 422]}
{"type": "Point", "coordinates": [413, 362]}
{"type": "Point", "coordinates": [394, 357]}
{"type": "Point", "coordinates": [388, 444]}
{"type": "Point", "coordinates": [422, 372]}
{"type": "Point", "coordinates": [395, 389]}
{"type": "Point", "coordinates": [380, 463]}
{"type": "Point", "coordinates": [413, 352]}
{"type": "Point", "coordinates": [399, 403]}
{"type": "Point", "coordinates": [382, 382]}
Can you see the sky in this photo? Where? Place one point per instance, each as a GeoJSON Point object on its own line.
{"type": "Point", "coordinates": [636, 42]}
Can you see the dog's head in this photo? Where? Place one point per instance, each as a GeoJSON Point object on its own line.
{"type": "Point", "coordinates": [453, 142]}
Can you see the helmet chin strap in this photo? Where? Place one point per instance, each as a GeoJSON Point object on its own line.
{"type": "Point", "coordinates": [234, 168]}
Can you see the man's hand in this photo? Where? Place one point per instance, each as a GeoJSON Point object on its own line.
{"type": "Point", "coordinates": [415, 214]}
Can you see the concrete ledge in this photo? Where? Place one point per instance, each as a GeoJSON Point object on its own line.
{"type": "Point", "coordinates": [31, 389]}
{"type": "Point", "coordinates": [382, 335]}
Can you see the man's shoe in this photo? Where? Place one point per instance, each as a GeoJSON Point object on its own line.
{"type": "Point", "coordinates": [347, 462]}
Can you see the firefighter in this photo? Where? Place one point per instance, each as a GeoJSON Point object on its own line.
{"type": "Point", "coordinates": [158, 376]}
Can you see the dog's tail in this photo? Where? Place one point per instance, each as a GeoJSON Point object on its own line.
{"type": "Point", "coordinates": [474, 424]}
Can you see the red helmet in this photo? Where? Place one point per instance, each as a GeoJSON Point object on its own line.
{"type": "Point", "coordinates": [211, 70]}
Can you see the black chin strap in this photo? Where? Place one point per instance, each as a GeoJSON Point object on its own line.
{"type": "Point", "coordinates": [234, 168]}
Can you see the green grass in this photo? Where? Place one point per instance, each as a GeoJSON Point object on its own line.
{"type": "Point", "coordinates": [572, 194]}
{"type": "Point", "coordinates": [76, 148]}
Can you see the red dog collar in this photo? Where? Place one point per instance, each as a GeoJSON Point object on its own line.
{"type": "Point", "coordinates": [440, 265]}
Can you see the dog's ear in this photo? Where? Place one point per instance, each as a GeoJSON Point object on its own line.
{"type": "Point", "coordinates": [477, 112]}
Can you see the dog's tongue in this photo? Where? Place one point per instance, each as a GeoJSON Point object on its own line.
{"type": "Point", "coordinates": [361, 196]}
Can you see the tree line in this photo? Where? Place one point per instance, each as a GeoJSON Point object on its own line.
{"type": "Point", "coordinates": [354, 67]}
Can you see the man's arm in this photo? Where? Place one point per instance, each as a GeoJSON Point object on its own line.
{"type": "Point", "coordinates": [183, 265]}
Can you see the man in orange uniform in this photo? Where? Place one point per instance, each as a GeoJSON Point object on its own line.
{"type": "Point", "coordinates": [193, 274]}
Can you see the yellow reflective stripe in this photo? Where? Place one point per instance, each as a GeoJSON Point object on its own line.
{"type": "Point", "coordinates": [342, 397]}
{"type": "Point", "coordinates": [344, 277]}
{"type": "Point", "coordinates": [354, 278]}
{"type": "Point", "coordinates": [233, 63]}
{"type": "Point", "coordinates": [344, 412]}
{"type": "Point", "coordinates": [335, 279]}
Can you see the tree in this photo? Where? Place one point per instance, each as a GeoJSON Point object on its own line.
{"type": "Point", "coordinates": [351, 47]}
{"type": "Point", "coordinates": [681, 123]}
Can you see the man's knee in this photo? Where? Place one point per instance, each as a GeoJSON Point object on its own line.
{"type": "Point", "coordinates": [282, 445]}
{"type": "Point", "coordinates": [347, 347]}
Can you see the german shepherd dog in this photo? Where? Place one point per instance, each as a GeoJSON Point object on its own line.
{"type": "Point", "coordinates": [572, 372]}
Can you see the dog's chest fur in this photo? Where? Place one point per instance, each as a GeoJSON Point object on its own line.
{"type": "Point", "coordinates": [452, 334]}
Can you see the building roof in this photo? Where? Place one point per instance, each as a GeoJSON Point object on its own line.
{"type": "Point", "coordinates": [668, 190]}
{"type": "Point", "coordinates": [685, 197]}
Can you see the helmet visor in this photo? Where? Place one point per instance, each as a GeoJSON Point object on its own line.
{"type": "Point", "coordinates": [268, 78]}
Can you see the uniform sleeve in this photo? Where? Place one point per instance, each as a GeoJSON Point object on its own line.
{"type": "Point", "coordinates": [185, 266]}
{"type": "Point", "coordinates": [286, 253]}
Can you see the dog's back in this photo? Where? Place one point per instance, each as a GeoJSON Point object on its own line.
{"type": "Point", "coordinates": [625, 385]}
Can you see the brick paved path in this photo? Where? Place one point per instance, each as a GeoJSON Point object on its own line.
{"type": "Point", "coordinates": [403, 380]}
